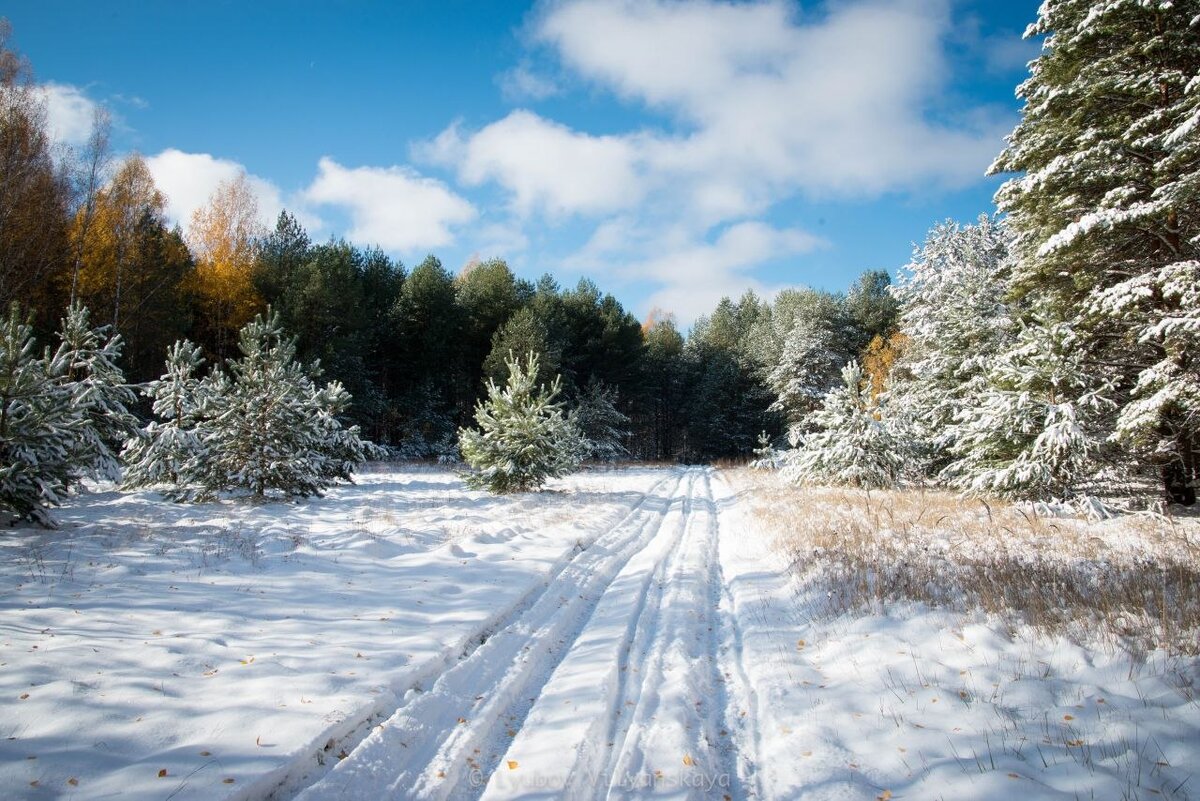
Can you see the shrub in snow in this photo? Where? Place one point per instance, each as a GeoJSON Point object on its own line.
{"type": "Point", "coordinates": [265, 427]}
{"type": "Point", "coordinates": [60, 412]}
{"type": "Point", "coordinates": [850, 445]}
{"type": "Point", "coordinates": [1030, 431]}
{"type": "Point", "coordinates": [602, 425]}
{"type": "Point", "coordinates": [524, 437]}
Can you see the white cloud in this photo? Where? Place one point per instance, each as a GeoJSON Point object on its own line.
{"type": "Point", "coordinates": [392, 207]}
{"type": "Point", "coordinates": [757, 103]}
{"type": "Point", "coordinates": [189, 180]}
{"type": "Point", "coordinates": [692, 271]}
{"type": "Point", "coordinates": [546, 166]}
{"type": "Point", "coordinates": [522, 83]}
{"type": "Point", "coordinates": [69, 113]}
{"type": "Point", "coordinates": [767, 105]}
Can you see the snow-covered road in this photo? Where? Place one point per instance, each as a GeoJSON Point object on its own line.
{"type": "Point", "coordinates": [618, 680]}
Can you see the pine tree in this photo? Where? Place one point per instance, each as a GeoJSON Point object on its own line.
{"type": "Point", "coordinates": [812, 357]}
{"type": "Point", "coordinates": [602, 425]}
{"type": "Point", "coordinates": [851, 445]}
{"type": "Point", "coordinates": [1032, 430]}
{"type": "Point", "coordinates": [168, 450]}
{"type": "Point", "coordinates": [524, 437]}
{"type": "Point", "coordinates": [268, 428]}
{"type": "Point", "coordinates": [954, 315]}
{"type": "Point", "coordinates": [86, 365]}
{"type": "Point", "coordinates": [264, 427]}
{"type": "Point", "coordinates": [1106, 207]}
{"type": "Point", "coordinates": [39, 426]}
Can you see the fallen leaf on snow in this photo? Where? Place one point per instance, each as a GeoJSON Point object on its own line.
{"type": "Point", "coordinates": [512, 764]}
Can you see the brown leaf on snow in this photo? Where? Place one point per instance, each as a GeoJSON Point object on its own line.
{"type": "Point", "coordinates": [886, 795]}
{"type": "Point", "coordinates": [162, 773]}
{"type": "Point", "coordinates": [512, 764]}
{"type": "Point", "coordinates": [687, 760]}
{"type": "Point", "coordinates": [228, 780]}
{"type": "Point", "coordinates": [73, 781]}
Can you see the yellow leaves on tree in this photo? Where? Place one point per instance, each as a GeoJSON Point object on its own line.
{"type": "Point", "coordinates": [111, 243]}
{"type": "Point", "coordinates": [223, 237]}
{"type": "Point", "coordinates": [879, 357]}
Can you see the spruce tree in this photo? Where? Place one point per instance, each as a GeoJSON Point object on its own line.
{"type": "Point", "coordinates": [524, 436]}
{"type": "Point", "coordinates": [267, 427]}
{"type": "Point", "coordinates": [851, 445]}
{"type": "Point", "coordinates": [954, 315]}
{"type": "Point", "coordinates": [1106, 208]}
{"type": "Point", "coordinates": [602, 425]}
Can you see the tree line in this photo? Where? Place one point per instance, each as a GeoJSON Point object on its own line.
{"type": "Point", "coordinates": [1038, 352]}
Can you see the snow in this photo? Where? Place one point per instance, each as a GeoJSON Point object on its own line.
{"type": "Point", "coordinates": [632, 633]}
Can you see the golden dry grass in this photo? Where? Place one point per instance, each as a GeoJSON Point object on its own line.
{"type": "Point", "coordinates": [1134, 579]}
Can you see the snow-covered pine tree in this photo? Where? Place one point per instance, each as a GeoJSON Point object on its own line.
{"type": "Point", "coordinates": [1031, 431]}
{"type": "Point", "coordinates": [812, 356]}
{"type": "Point", "coordinates": [266, 427]}
{"type": "Point", "coordinates": [1106, 208]}
{"type": "Point", "coordinates": [954, 315]}
{"type": "Point", "coordinates": [39, 426]}
{"type": "Point", "coordinates": [602, 425]}
{"type": "Point", "coordinates": [524, 437]}
{"type": "Point", "coordinates": [850, 444]}
{"type": "Point", "coordinates": [338, 449]}
{"type": "Point", "coordinates": [86, 366]}
{"type": "Point", "coordinates": [168, 450]}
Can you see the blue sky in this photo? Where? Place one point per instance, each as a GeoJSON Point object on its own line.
{"type": "Point", "coordinates": [672, 152]}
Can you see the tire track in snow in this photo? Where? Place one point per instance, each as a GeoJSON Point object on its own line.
{"type": "Point", "coordinates": [430, 745]}
{"type": "Point", "coordinates": [673, 742]}
{"type": "Point", "coordinates": [740, 701]}
{"type": "Point", "coordinates": [562, 748]}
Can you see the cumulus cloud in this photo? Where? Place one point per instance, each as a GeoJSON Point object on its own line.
{"type": "Point", "coordinates": [189, 179]}
{"type": "Point", "coordinates": [392, 207]}
{"type": "Point", "coordinates": [753, 104]}
{"type": "Point", "coordinates": [69, 112]}
{"type": "Point", "coordinates": [767, 104]}
{"type": "Point", "coordinates": [692, 271]}
{"type": "Point", "coordinates": [546, 166]}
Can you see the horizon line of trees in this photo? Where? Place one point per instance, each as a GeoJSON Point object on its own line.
{"type": "Point", "coordinates": [1031, 354]}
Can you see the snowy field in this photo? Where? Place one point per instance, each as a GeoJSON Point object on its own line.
{"type": "Point", "coordinates": [633, 633]}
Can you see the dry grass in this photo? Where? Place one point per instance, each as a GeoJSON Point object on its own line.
{"type": "Point", "coordinates": [1133, 579]}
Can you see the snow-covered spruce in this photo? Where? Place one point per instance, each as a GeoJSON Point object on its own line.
{"type": "Point", "coordinates": [38, 426]}
{"type": "Point", "coordinates": [850, 445]}
{"type": "Point", "coordinates": [1032, 429]}
{"type": "Point", "coordinates": [524, 436]}
{"type": "Point", "coordinates": [61, 414]}
{"type": "Point", "coordinates": [263, 427]}
{"type": "Point", "coordinates": [602, 425]}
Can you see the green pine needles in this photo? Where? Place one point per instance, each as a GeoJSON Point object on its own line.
{"type": "Point", "coordinates": [524, 436]}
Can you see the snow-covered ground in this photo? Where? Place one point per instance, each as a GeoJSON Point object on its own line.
{"type": "Point", "coordinates": [624, 634]}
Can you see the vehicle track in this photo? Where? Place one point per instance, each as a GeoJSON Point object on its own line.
{"type": "Point", "coordinates": [433, 745]}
